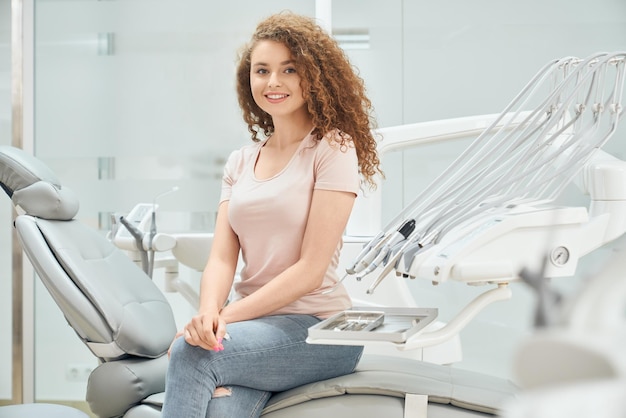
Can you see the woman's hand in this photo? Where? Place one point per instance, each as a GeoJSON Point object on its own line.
{"type": "Point", "coordinates": [206, 330]}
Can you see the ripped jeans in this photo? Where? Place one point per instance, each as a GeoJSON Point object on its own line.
{"type": "Point", "coordinates": [262, 356]}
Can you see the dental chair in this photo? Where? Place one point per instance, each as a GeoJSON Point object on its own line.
{"type": "Point", "coordinates": [126, 322]}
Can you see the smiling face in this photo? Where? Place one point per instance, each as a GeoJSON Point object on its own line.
{"type": "Point", "coordinates": [274, 82]}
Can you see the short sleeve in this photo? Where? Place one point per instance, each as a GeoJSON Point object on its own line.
{"type": "Point", "coordinates": [229, 174]}
{"type": "Point", "coordinates": [337, 167]}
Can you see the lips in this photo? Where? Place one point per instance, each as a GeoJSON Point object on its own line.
{"type": "Point", "coordinates": [276, 97]}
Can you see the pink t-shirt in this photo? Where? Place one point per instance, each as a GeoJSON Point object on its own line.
{"type": "Point", "coordinates": [269, 216]}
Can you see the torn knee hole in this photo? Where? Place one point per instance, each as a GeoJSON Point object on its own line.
{"type": "Point", "coordinates": [221, 391]}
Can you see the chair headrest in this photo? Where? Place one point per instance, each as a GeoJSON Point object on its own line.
{"type": "Point", "coordinates": [33, 187]}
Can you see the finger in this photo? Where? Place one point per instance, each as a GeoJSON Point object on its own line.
{"type": "Point", "coordinates": [220, 334]}
{"type": "Point", "coordinates": [191, 336]}
{"type": "Point", "coordinates": [203, 330]}
{"type": "Point", "coordinates": [220, 331]}
{"type": "Point", "coordinates": [192, 339]}
{"type": "Point", "coordinates": [208, 334]}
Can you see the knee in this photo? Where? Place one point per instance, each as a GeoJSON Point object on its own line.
{"type": "Point", "coordinates": [222, 391]}
{"type": "Point", "coordinates": [184, 361]}
{"type": "Point", "coordinates": [181, 351]}
{"type": "Point", "coordinates": [187, 356]}
{"type": "Point", "coordinates": [176, 348]}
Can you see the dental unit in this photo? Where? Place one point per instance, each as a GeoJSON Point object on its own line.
{"type": "Point", "coordinates": [489, 219]}
{"type": "Point", "coordinates": [506, 173]}
{"type": "Point", "coordinates": [490, 214]}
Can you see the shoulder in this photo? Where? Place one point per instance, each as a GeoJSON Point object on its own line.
{"type": "Point", "coordinates": [243, 154]}
{"type": "Point", "coordinates": [336, 145]}
{"type": "Point", "coordinates": [338, 140]}
{"type": "Point", "coordinates": [336, 163]}
{"type": "Point", "coordinates": [334, 142]}
{"type": "Point", "coordinates": [239, 159]}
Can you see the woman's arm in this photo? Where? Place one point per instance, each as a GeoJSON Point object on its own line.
{"type": "Point", "coordinates": [327, 220]}
{"type": "Point", "coordinates": [217, 279]}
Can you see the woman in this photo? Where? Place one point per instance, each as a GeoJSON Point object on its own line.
{"type": "Point", "coordinates": [285, 203]}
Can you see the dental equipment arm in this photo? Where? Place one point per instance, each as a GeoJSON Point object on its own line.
{"type": "Point", "coordinates": [139, 235]}
{"type": "Point", "coordinates": [511, 173]}
{"type": "Point", "coordinates": [491, 213]}
{"type": "Point", "coordinates": [141, 225]}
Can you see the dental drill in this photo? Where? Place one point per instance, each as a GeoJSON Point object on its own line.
{"type": "Point", "coordinates": [373, 254]}
{"type": "Point", "coordinates": [396, 238]}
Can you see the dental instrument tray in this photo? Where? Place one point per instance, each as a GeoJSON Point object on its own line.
{"type": "Point", "coordinates": [394, 325]}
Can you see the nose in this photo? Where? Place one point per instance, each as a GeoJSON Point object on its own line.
{"type": "Point", "coordinates": [274, 80]}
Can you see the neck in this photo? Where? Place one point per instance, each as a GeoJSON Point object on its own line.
{"type": "Point", "coordinates": [290, 130]}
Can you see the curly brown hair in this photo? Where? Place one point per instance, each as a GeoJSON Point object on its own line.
{"type": "Point", "coordinates": [332, 89]}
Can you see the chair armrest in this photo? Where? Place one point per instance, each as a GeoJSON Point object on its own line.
{"type": "Point", "coordinates": [116, 386]}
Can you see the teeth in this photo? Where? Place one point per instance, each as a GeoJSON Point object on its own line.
{"type": "Point", "coordinates": [276, 96]}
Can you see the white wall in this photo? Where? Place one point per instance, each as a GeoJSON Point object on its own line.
{"type": "Point", "coordinates": [162, 111]}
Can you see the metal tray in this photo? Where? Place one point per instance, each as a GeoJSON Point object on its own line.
{"type": "Point", "coordinates": [382, 324]}
{"type": "Point", "coordinates": [356, 321]}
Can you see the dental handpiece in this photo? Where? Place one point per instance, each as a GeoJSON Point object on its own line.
{"type": "Point", "coordinates": [367, 254]}
{"type": "Point", "coordinates": [363, 259]}
{"type": "Point", "coordinates": [391, 264]}
{"type": "Point", "coordinates": [400, 235]}
{"type": "Point", "coordinates": [409, 247]}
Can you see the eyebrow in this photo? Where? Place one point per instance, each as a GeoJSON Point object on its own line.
{"type": "Point", "coordinates": [263, 64]}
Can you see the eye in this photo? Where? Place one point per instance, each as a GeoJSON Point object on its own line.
{"type": "Point", "coordinates": [261, 71]}
{"type": "Point", "coordinates": [290, 70]}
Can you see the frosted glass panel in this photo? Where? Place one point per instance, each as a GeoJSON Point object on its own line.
{"type": "Point", "coordinates": [134, 98]}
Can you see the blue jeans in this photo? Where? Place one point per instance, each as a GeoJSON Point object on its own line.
{"type": "Point", "coordinates": [262, 356]}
